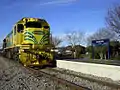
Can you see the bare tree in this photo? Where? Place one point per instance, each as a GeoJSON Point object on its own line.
{"type": "Point", "coordinates": [102, 33]}
{"type": "Point", "coordinates": [74, 38]}
{"type": "Point", "coordinates": [56, 41]}
{"type": "Point", "coordinates": [113, 19]}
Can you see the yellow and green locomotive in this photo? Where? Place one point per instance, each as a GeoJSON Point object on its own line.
{"type": "Point", "coordinates": [29, 43]}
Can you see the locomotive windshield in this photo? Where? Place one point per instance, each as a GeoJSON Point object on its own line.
{"type": "Point", "coordinates": [33, 25]}
{"type": "Point", "coordinates": [20, 27]}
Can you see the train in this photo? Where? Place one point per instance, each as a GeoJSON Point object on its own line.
{"type": "Point", "coordinates": [29, 43]}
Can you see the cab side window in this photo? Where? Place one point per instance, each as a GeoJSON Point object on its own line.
{"type": "Point", "coordinates": [15, 30]}
{"type": "Point", "coordinates": [20, 28]}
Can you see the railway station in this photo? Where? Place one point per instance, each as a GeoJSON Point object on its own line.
{"type": "Point", "coordinates": [60, 45]}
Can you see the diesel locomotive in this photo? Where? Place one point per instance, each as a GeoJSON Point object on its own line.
{"type": "Point", "coordinates": [29, 43]}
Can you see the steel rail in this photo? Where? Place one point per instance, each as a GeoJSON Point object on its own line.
{"type": "Point", "coordinates": [64, 82]}
{"type": "Point", "coordinates": [110, 84]}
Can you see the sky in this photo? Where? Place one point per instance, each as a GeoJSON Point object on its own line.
{"type": "Point", "coordinates": [62, 15]}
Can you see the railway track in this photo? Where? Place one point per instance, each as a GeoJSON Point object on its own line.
{"type": "Point", "coordinates": [67, 84]}
{"type": "Point", "coordinates": [105, 83]}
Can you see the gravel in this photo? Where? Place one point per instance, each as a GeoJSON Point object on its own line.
{"type": "Point", "coordinates": [14, 76]}
{"type": "Point", "coordinates": [88, 75]}
{"type": "Point", "coordinates": [81, 81]}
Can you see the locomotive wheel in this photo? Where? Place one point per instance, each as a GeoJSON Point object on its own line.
{"type": "Point", "coordinates": [54, 63]}
{"type": "Point", "coordinates": [16, 57]}
{"type": "Point", "coordinates": [9, 55]}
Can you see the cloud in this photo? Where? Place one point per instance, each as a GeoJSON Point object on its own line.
{"type": "Point", "coordinates": [15, 3]}
{"type": "Point", "coordinates": [58, 2]}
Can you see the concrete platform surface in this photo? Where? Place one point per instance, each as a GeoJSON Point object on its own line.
{"type": "Point", "coordinates": [100, 70]}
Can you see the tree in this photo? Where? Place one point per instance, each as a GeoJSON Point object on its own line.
{"type": "Point", "coordinates": [113, 19]}
{"type": "Point", "coordinates": [74, 38]}
{"type": "Point", "coordinates": [115, 49]}
{"type": "Point", "coordinates": [102, 33]}
{"type": "Point", "coordinates": [56, 41]}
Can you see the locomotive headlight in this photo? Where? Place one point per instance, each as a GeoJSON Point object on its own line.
{"type": "Point", "coordinates": [22, 50]}
{"type": "Point", "coordinates": [52, 50]}
{"type": "Point", "coordinates": [36, 62]}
